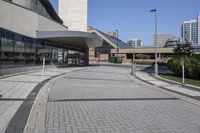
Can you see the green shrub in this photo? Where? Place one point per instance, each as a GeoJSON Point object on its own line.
{"type": "Point", "coordinates": [192, 66]}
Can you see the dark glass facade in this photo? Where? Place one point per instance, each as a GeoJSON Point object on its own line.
{"type": "Point", "coordinates": [194, 30]}
{"type": "Point", "coordinates": [18, 50]}
{"type": "Point", "coordinates": [187, 31]}
{"type": "Point", "coordinates": [42, 7]}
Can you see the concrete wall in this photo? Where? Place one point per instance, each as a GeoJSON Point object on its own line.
{"type": "Point", "coordinates": [18, 19]}
{"type": "Point", "coordinates": [25, 3]}
{"type": "Point", "coordinates": [45, 24]}
{"type": "Point", "coordinates": [104, 57]}
{"type": "Point", "coordinates": [74, 14]}
{"type": "Point", "coordinates": [25, 22]}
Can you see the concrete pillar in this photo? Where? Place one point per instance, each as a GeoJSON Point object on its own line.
{"type": "Point", "coordinates": [133, 66]}
{"type": "Point", "coordinates": [159, 56]}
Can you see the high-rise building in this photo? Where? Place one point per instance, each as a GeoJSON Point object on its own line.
{"type": "Point", "coordinates": [137, 42]}
{"type": "Point", "coordinates": [74, 14]}
{"type": "Point", "coordinates": [190, 30]}
{"type": "Point", "coordinates": [162, 39]}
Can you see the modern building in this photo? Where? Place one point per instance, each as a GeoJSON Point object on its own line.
{"type": "Point", "coordinates": [190, 31]}
{"type": "Point", "coordinates": [74, 14]}
{"type": "Point", "coordinates": [113, 47]}
{"type": "Point", "coordinates": [162, 39]}
{"type": "Point", "coordinates": [136, 43]}
{"type": "Point", "coordinates": [103, 53]}
{"type": "Point", "coordinates": [31, 30]}
{"type": "Point", "coordinates": [112, 34]}
{"type": "Point", "coordinates": [172, 43]}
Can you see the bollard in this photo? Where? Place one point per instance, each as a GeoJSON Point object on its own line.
{"type": "Point", "coordinates": [133, 69]}
{"type": "Point", "coordinates": [183, 71]}
{"type": "Point", "coordinates": [43, 67]}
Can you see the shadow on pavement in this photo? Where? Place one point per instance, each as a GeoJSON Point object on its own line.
{"type": "Point", "coordinates": [79, 78]}
{"type": "Point", "coordinates": [114, 99]}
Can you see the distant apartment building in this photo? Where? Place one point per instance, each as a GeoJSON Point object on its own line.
{"type": "Point", "coordinates": [137, 42]}
{"type": "Point", "coordinates": [172, 42]}
{"type": "Point", "coordinates": [190, 30]}
{"type": "Point", "coordinates": [162, 39]}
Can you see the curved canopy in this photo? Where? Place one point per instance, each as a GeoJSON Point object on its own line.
{"type": "Point", "coordinates": [71, 39]}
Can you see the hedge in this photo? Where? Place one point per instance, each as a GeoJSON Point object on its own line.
{"type": "Point", "coordinates": [192, 66]}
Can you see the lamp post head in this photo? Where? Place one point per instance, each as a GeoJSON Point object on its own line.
{"type": "Point", "coordinates": [153, 10]}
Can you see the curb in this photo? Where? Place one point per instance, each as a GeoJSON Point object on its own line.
{"type": "Point", "coordinates": [36, 120]}
{"type": "Point", "coordinates": [180, 96]}
{"type": "Point", "coordinates": [178, 83]}
{"type": "Point", "coordinates": [20, 73]}
{"type": "Point", "coordinates": [25, 72]}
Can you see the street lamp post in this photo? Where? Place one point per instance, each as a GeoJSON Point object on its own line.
{"type": "Point", "coordinates": [156, 52]}
{"type": "Point", "coordinates": [117, 43]}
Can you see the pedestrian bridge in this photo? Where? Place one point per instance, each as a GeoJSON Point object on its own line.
{"type": "Point", "coordinates": [144, 50]}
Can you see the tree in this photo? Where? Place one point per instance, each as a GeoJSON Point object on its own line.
{"type": "Point", "coordinates": [184, 48]}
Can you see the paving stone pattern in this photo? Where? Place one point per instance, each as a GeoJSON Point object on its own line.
{"type": "Point", "coordinates": [15, 89]}
{"type": "Point", "coordinates": [107, 100]}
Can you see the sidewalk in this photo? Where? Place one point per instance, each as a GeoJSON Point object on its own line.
{"type": "Point", "coordinates": [15, 89]}
{"type": "Point", "coordinates": [178, 88]}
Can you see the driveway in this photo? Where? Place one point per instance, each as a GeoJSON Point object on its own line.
{"type": "Point", "coordinates": [105, 99]}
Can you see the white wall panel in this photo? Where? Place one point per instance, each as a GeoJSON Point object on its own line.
{"type": "Point", "coordinates": [26, 22]}
{"type": "Point", "coordinates": [74, 13]}
{"type": "Point", "coordinates": [18, 19]}
{"type": "Point", "coordinates": [45, 24]}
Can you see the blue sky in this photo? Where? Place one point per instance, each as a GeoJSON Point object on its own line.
{"type": "Point", "coordinates": [134, 20]}
{"type": "Point", "coordinates": [55, 4]}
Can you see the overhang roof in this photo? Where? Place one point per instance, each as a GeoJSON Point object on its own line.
{"type": "Point", "coordinates": [113, 41]}
{"type": "Point", "coordinates": [71, 39]}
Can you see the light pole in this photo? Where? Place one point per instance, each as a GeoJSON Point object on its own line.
{"type": "Point", "coordinates": [156, 52]}
{"type": "Point", "coordinates": [117, 43]}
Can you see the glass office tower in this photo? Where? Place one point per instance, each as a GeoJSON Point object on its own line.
{"type": "Point", "coordinates": [190, 30]}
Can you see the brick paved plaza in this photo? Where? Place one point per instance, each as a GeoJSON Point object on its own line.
{"type": "Point", "coordinates": [107, 100]}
